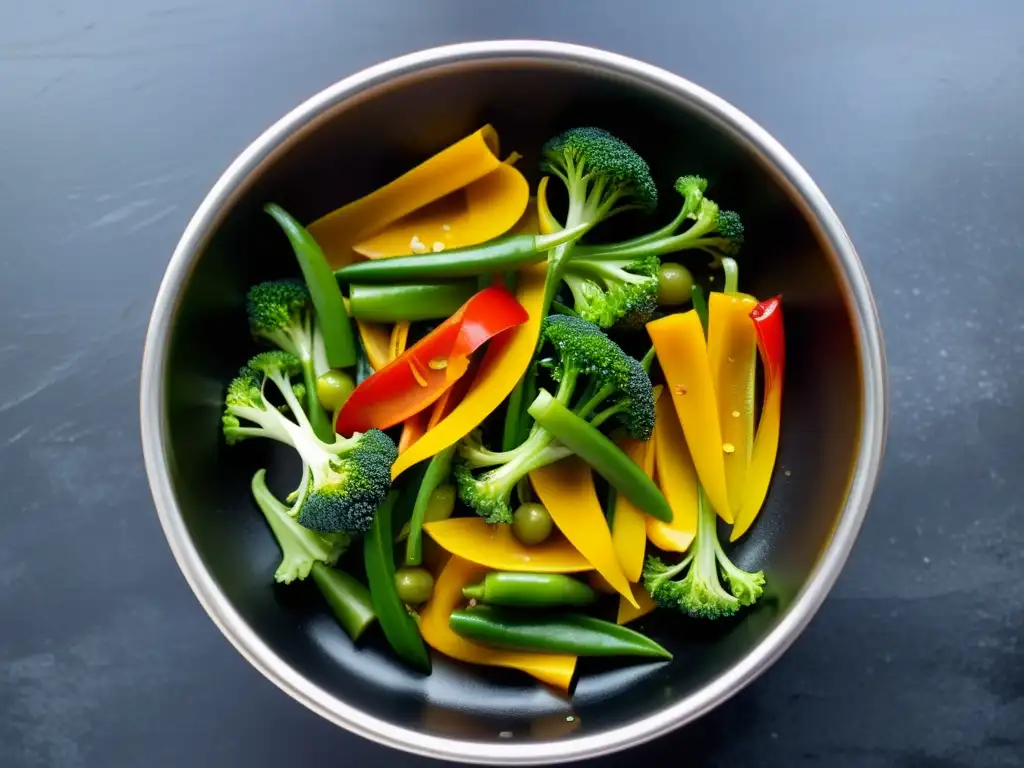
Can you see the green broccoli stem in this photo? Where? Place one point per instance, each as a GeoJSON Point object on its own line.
{"type": "Point", "coordinates": [412, 302]}
{"type": "Point", "coordinates": [732, 273]}
{"type": "Point", "coordinates": [348, 599]}
{"type": "Point", "coordinates": [300, 547]}
{"type": "Point", "coordinates": [599, 452]}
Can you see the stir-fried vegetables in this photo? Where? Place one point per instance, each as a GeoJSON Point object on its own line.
{"type": "Point", "coordinates": [551, 470]}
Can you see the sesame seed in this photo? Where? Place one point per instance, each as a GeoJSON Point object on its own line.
{"type": "Point", "coordinates": [438, 246]}
{"type": "Point", "coordinates": [735, 414]}
{"type": "Point", "coordinates": [438, 364]}
{"type": "Point", "coordinates": [446, 227]}
{"type": "Point", "coordinates": [679, 389]}
{"type": "Point", "coordinates": [728, 447]}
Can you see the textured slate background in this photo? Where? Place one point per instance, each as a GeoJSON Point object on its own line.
{"type": "Point", "coordinates": [117, 115]}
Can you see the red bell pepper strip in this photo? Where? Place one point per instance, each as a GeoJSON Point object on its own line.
{"type": "Point", "coordinates": [771, 344]}
{"type": "Point", "coordinates": [420, 375]}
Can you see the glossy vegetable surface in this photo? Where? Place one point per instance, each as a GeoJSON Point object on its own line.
{"type": "Point", "coordinates": [494, 546]}
{"type": "Point", "coordinates": [349, 600]}
{"type": "Point", "coordinates": [538, 590]}
{"type": "Point", "coordinates": [339, 340]}
{"type": "Point", "coordinates": [399, 627]}
{"type": "Point", "coordinates": [573, 633]}
{"type": "Point", "coordinates": [555, 669]}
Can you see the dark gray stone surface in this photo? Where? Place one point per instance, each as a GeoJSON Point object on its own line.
{"type": "Point", "coordinates": [117, 115]}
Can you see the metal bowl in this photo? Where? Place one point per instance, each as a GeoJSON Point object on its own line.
{"type": "Point", "coordinates": [363, 131]}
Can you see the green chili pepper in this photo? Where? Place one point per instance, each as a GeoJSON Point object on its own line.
{"type": "Point", "coordinates": [574, 633]}
{"type": "Point", "coordinates": [585, 440]}
{"type": "Point", "coordinates": [399, 627]}
{"type": "Point", "coordinates": [500, 255]}
{"type": "Point", "coordinates": [349, 600]}
{"type": "Point", "coordinates": [421, 301]}
{"type": "Point", "coordinates": [339, 341]}
{"type": "Point", "coordinates": [530, 589]}
{"type": "Point", "coordinates": [438, 471]}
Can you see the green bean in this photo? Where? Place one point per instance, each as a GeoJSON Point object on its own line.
{"type": "Point", "coordinates": [438, 471]}
{"type": "Point", "coordinates": [349, 600]}
{"type": "Point", "coordinates": [339, 341]}
{"type": "Point", "coordinates": [501, 255]}
{"type": "Point", "coordinates": [602, 454]}
{"type": "Point", "coordinates": [399, 627]}
{"type": "Point", "coordinates": [419, 301]}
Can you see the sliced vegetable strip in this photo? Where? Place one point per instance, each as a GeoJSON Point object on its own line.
{"type": "Point", "coordinates": [453, 168]}
{"type": "Point", "coordinates": [677, 479]}
{"type": "Point", "coordinates": [771, 342]}
{"type": "Point", "coordinates": [494, 546]}
{"type": "Point", "coordinates": [439, 469]}
{"type": "Point", "coordinates": [414, 301]}
{"type": "Point", "coordinates": [339, 341]}
{"type": "Point", "coordinates": [536, 590]}
{"type": "Point", "coordinates": [586, 441]}
{"type": "Point", "coordinates": [551, 668]}
{"type": "Point", "coordinates": [566, 488]}
{"type": "Point", "coordinates": [732, 355]}
{"type": "Point", "coordinates": [682, 353]}
{"type": "Point", "coordinates": [574, 633]}
{"type": "Point", "coordinates": [348, 599]}
{"type": "Point", "coordinates": [376, 343]}
{"type": "Point", "coordinates": [422, 373]}
{"type": "Point", "coordinates": [480, 211]}
{"type": "Point", "coordinates": [628, 527]}
{"type": "Point", "coordinates": [505, 253]}
{"type": "Point", "coordinates": [399, 627]}
{"type": "Point", "coordinates": [504, 363]}
{"type": "Point", "coordinates": [629, 612]}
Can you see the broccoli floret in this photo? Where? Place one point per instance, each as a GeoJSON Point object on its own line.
{"type": "Point", "coordinates": [281, 313]}
{"type": "Point", "coordinates": [717, 232]}
{"type": "Point", "coordinates": [600, 171]}
{"type": "Point", "coordinates": [354, 484]}
{"type": "Point", "coordinates": [344, 480]}
{"type": "Point", "coordinates": [612, 291]}
{"type": "Point", "coordinates": [700, 592]}
{"type": "Point", "coordinates": [603, 176]}
{"type": "Point", "coordinates": [300, 547]}
{"type": "Point", "coordinates": [616, 386]}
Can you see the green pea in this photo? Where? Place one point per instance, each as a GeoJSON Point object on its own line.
{"type": "Point", "coordinates": [414, 585]}
{"type": "Point", "coordinates": [333, 389]}
{"type": "Point", "coordinates": [675, 284]}
{"type": "Point", "coordinates": [532, 523]}
{"type": "Point", "coordinates": [441, 504]}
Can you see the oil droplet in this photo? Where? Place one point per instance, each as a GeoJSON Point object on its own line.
{"type": "Point", "coordinates": [728, 447]}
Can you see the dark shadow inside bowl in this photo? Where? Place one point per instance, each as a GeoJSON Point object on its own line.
{"type": "Point", "coordinates": [367, 141]}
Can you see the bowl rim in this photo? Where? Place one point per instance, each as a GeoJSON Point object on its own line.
{"type": "Point", "coordinates": [800, 188]}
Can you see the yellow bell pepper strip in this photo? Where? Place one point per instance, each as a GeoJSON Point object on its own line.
{"type": "Point", "coordinates": [453, 168]}
{"type": "Point", "coordinates": [423, 372]}
{"type": "Point", "coordinates": [555, 669]}
{"type": "Point", "coordinates": [629, 612]}
{"type": "Point", "coordinates": [566, 488]}
{"type": "Point", "coordinates": [682, 352]}
{"type": "Point", "coordinates": [732, 355]}
{"type": "Point", "coordinates": [771, 343]}
{"type": "Point", "coordinates": [628, 529]}
{"type": "Point", "coordinates": [476, 213]}
{"type": "Point", "coordinates": [376, 340]}
{"type": "Point", "coordinates": [494, 546]}
{"type": "Point", "coordinates": [677, 479]}
{"type": "Point", "coordinates": [504, 363]}
{"type": "Point", "coordinates": [545, 219]}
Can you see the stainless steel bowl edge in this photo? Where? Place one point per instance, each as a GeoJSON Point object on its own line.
{"type": "Point", "coordinates": [870, 450]}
